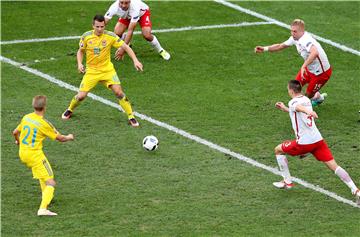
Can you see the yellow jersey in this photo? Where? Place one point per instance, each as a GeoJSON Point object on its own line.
{"type": "Point", "coordinates": [33, 130]}
{"type": "Point", "coordinates": [98, 49]}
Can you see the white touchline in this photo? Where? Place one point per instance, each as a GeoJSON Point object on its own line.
{"type": "Point", "coordinates": [180, 132]}
{"type": "Point", "coordinates": [279, 23]}
{"type": "Point", "coordinates": [186, 28]}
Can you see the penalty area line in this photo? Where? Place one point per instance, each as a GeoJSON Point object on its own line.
{"type": "Point", "coordinates": [180, 132]}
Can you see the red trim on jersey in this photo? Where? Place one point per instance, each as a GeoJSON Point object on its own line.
{"type": "Point", "coordinates": [322, 67]}
{"type": "Point", "coordinates": [297, 126]}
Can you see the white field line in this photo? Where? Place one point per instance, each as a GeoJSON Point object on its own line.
{"type": "Point", "coordinates": [187, 28]}
{"type": "Point", "coordinates": [279, 23]}
{"type": "Point", "coordinates": [181, 132]}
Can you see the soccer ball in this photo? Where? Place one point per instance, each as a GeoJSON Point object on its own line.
{"type": "Point", "coordinates": [150, 143]}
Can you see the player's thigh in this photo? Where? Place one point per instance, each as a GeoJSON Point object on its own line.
{"type": "Point", "coordinates": [145, 20]}
{"type": "Point", "coordinates": [322, 152]}
{"type": "Point", "coordinates": [110, 78]}
{"type": "Point", "coordinates": [316, 83]}
{"type": "Point", "coordinates": [294, 149]}
{"type": "Point", "coordinates": [89, 81]}
{"type": "Point", "coordinates": [121, 26]}
{"type": "Point", "coordinates": [42, 170]}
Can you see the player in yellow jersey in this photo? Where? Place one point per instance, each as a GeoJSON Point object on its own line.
{"type": "Point", "coordinates": [29, 135]}
{"type": "Point", "coordinates": [97, 46]}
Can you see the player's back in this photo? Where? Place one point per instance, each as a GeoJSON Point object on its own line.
{"type": "Point", "coordinates": [303, 125]}
{"type": "Point", "coordinates": [33, 130]}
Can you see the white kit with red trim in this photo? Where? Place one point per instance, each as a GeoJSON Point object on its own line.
{"type": "Point", "coordinates": [304, 125]}
{"type": "Point", "coordinates": [136, 10]}
{"type": "Point", "coordinates": [321, 63]}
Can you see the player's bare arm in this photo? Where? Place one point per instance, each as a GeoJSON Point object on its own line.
{"type": "Point", "coordinates": [282, 106]}
{"type": "Point", "coordinates": [132, 55]}
{"type": "Point", "coordinates": [64, 138]}
{"type": "Point", "coordinates": [79, 57]}
{"type": "Point", "coordinates": [16, 134]}
{"type": "Point", "coordinates": [303, 109]}
{"type": "Point", "coordinates": [313, 54]}
{"type": "Point", "coordinates": [271, 48]}
{"type": "Point", "coordinates": [130, 32]}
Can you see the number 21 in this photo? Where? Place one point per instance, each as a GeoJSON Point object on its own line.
{"type": "Point", "coordinates": [28, 129]}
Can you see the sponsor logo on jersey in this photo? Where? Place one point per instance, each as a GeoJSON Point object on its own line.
{"type": "Point", "coordinates": [307, 45]}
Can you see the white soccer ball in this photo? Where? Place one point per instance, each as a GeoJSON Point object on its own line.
{"type": "Point", "coordinates": [150, 143]}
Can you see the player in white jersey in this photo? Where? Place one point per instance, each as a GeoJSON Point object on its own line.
{"type": "Point", "coordinates": [131, 12]}
{"type": "Point", "coordinates": [308, 140]}
{"type": "Point", "coordinates": [316, 69]}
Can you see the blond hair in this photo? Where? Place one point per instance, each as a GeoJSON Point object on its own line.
{"type": "Point", "coordinates": [298, 22]}
{"type": "Point", "coordinates": [39, 102]}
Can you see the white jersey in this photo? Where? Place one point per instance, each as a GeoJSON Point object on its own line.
{"type": "Point", "coordinates": [136, 10]}
{"type": "Point", "coordinates": [304, 125]}
{"type": "Point", "coordinates": [303, 45]}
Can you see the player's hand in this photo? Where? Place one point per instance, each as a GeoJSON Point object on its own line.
{"type": "Point", "coordinates": [81, 68]}
{"type": "Point", "coordinates": [280, 105]}
{"type": "Point", "coordinates": [119, 54]}
{"type": "Point", "coordinates": [16, 142]}
{"type": "Point", "coordinates": [314, 114]}
{"type": "Point", "coordinates": [259, 49]}
{"type": "Point", "coordinates": [303, 73]}
{"type": "Point", "coordinates": [138, 65]}
{"type": "Point", "coordinates": [70, 137]}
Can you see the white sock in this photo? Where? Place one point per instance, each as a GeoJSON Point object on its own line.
{"type": "Point", "coordinates": [284, 168]}
{"type": "Point", "coordinates": [155, 43]}
{"type": "Point", "coordinates": [318, 97]}
{"type": "Point", "coordinates": [345, 177]}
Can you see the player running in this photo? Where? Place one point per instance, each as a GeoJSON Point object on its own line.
{"type": "Point", "coordinates": [308, 140]}
{"type": "Point", "coordinates": [316, 69]}
{"type": "Point", "coordinates": [131, 12]}
{"type": "Point", "coordinates": [29, 135]}
{"type": "Point", "coordinates": [97, 45]}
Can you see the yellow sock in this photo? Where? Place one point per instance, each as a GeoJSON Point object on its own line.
{"type": "Point", "coordinates": [125, 104]}
{"type": "Point", "coordinates": [73, 104]}
{"type": "Point", "coordinates": [42, 185]}
{"type": "Point", "coordinates": [47, 196]}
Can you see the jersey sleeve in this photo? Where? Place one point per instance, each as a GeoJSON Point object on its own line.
{"type": "Point", "coordinates": [82, 43]}
{"type": "Point", "coordinates": [19, 127]}
{"type": "Point", "coordinates": [112, 10]}
{"type": "Point", "coordinates": [117, 42]}
{"type": "Point", "coordinates": [49, 130]}
{"type": "Point", "coordinates": [293, 104]}
{"type": "Point", "coordinates": [289, 42]}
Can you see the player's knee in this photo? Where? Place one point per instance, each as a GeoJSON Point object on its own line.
{"type": "Point", "coordinates": [81, 97]}
{"type": "Point", "coordinates": [148, 36]}
{"type": "Point", "coordinates": [51, 182]}
{"type": "Point", "coordinates": [120, 95]}
{"type": "Point", "coordinates": [278, 150]}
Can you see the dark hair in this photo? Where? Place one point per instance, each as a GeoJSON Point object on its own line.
{"type": "Point", "coordinates": [295, 86]}
{"type": "Point", "coordinates": [99, 18]}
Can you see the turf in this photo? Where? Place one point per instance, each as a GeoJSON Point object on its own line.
{"type": "Point", "coordinates": [214, 87]}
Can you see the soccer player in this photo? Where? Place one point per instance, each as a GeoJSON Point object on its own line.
{"type": "Point", "coordinates": [308, 140]}
{"type": "Point", "coordinates": [97, 46]}
{"type": "Point", "coordinates": [316, 69]}
{"type": "Point", "coordinates": [131, 12]}
{"type": "Point", "coordinates": [29, 135]}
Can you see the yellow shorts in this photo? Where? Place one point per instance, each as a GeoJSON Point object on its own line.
{"type": "Point", "coordinates": [37, 161]}
{"type": "Point", "coordinates": [91, 79]}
